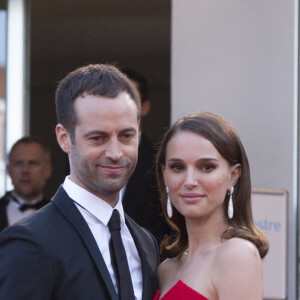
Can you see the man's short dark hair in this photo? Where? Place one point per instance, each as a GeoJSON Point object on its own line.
{"type": "Point", "coordinates": [32, 140]}
{"type": "Point", "coordinates": [100, 79]}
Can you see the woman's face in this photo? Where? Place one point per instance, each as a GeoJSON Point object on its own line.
{"type": "Point", "coordinates": [197, 176]}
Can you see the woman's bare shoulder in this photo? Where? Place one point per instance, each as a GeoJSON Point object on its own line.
{"type": "Point", "coordinates": [238, 245]}
{"type": "Point", "coordinates": [238, 266]}
{"type": "Point", "coordinates": [237, 251]}
{"type": "Point", "coordinates": [166, 268]}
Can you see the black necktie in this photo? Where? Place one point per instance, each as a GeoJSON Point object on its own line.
{"type": "Point", "coordinates": [119, 259]}
{"type": "Point", "coordinates": [26, 206]}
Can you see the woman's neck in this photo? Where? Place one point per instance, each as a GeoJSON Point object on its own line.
{"type": "Point", "coordinates": [203, 233]}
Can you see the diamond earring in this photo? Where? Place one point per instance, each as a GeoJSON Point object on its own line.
{"type": "Point", "coordinates": [230, 204]}
{"type": "Point", "coordinates": [169, 204]}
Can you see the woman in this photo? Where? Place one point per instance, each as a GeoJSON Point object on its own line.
{"type": "Point", "coordinates": [204, 181]}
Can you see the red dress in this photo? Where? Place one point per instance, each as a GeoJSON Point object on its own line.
{"type": "Point", "coordinates": [180, 291]}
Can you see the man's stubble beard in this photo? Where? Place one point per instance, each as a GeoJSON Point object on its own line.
{"type": "Point", "coordinates": [97, 183]}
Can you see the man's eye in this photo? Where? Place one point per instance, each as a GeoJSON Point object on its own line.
{"type": "Point", "coordinates": [127, 136]}
{"type": "Point", "coordinates": [96, 138]}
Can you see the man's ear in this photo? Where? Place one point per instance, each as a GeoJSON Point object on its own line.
{"type": "Point", "coordinates": [63, 138]}
{"type": "Point", "coordinates": [235, 174]}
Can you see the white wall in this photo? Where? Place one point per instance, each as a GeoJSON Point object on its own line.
{"type": "Point", "coordinates": [239, 59]}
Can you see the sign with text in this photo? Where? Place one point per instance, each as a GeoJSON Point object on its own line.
{"type": "Point", "coordinates": [270, 216]}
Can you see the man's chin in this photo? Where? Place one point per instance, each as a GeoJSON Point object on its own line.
{"type": "Point", "coordinates": [112, 186]}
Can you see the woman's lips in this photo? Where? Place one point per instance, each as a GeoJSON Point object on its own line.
{"type": "Point", "coordinates": [192, 197]}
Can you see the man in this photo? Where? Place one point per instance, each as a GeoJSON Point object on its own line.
{"type": "Point", "coordinates": [67, 250]}
{"type": "Point", "coordinates": [141, 199]}
{"type": "Point", "coordinates": [29, 166]}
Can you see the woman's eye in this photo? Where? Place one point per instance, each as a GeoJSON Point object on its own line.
{"type": "Point", "coordinates": [208, 168]}
{"type": "Point", "coordinates": [176, 167]}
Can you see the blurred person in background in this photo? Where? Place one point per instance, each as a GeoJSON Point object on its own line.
{"type": "Point", "coordinates": [29, 167]}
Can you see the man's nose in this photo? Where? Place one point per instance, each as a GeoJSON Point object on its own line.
{"type": "Point", "coordinates": [25, 168]}
{"type": "Point", "coordinates": [113, 150]}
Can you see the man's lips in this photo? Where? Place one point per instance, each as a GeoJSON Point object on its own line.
{"type": "Point", "coordinates": [24, 181]}
{"type": "Point", "coordinates": [113, 169]}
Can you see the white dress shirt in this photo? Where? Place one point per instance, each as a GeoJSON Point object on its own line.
{"type": "Point", "coordinates": [97, 213]}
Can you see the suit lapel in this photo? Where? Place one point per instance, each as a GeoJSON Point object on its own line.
{"type": "Point", "coordinates": [67, 207]}
{"type": "Point", "coordinates": [149, 260]}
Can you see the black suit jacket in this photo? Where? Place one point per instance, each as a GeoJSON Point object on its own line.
{"type": "Point", "coordinates": [53, 255]}
{"type": "Point", "coordinates": [141, 199]}
{"type": "Point", "coordinates": [3, 215]}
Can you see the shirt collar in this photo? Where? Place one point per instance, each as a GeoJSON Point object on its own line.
{"type": "Point", "coordinates": [93, 204]}
{"type": "Point", "coordinates": [19, 200]}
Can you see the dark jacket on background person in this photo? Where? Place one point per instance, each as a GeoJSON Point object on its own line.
{"type": "Point", "coordinates": [3, 205]}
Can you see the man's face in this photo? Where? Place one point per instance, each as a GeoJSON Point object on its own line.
{"type": "Point", "coordinates": [104, 153]}
{"type": "Point", "coordinates": [29, 170]}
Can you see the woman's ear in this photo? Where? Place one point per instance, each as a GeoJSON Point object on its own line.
{"type": "Point", "coordinates": [235, 174]}
{"type": "Point", "coordinates": [63, 138]}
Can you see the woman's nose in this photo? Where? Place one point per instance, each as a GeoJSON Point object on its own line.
{"type": "Point", "coordinates": [190, 180]}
